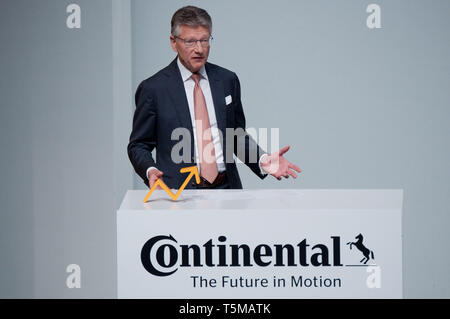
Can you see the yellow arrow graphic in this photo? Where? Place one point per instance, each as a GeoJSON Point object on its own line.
{"type": "Point", "coordinates": [192, 171]}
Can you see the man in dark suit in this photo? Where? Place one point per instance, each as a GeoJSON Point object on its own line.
{"type": "Point", "coordinates": [204, 101]}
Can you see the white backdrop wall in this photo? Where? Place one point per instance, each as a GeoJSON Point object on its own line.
{"type": "Point", "coordinates": [65, 121]}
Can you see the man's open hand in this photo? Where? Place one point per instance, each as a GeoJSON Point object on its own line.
{"type": "Point", "coordinates": [276, 165]}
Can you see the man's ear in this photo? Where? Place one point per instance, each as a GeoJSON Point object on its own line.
{"type": "Point", "coordinates": [173, 43]}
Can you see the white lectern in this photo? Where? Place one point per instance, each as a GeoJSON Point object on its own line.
{"type": "Point", "coordinates": [261, 244]}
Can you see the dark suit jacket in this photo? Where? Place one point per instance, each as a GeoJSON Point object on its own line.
{"type": "Point", "coordinates": [162, 106]}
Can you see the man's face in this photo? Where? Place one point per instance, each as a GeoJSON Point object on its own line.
{"type": "Point", "coordinates": [192, 58]}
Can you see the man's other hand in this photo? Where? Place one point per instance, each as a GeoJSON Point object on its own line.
{"type": "Point", "coordinates": [153, 176]}
{"type": "Point", "coordinates": [276, 165]}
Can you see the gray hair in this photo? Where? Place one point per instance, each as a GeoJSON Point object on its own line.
{"type": "Point", "coordinates": [190, 16]}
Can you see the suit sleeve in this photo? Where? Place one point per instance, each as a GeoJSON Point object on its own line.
{"type": "Point", "coordinates": [243, 141]}
{"type": "Point", "coordinates": [143, 138]}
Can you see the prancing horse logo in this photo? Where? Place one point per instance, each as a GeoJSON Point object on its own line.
{"type": "Point", "coordinates": [368, 254]}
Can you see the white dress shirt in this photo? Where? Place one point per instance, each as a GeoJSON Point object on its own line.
{"type": "Point", "coordinates": [189, 84]}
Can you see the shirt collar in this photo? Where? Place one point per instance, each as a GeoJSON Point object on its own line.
{"type": "Point", "coordinates": [186, 74]}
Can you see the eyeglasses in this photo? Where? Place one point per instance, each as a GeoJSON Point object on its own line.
{"type": "Point", "coordinates": [192, 43]}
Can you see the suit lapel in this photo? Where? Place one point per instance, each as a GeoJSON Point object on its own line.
{"type": "Point", "coordinates": [177, 93]}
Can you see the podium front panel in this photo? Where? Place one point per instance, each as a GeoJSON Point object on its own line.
{"type": "Point", "coordinates": [261, 244]}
